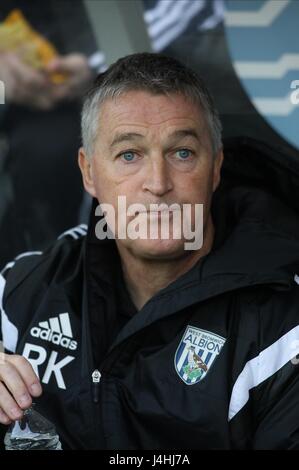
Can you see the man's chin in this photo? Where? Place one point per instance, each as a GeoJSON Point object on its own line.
{"type": "Point", "coordinates": [158, 249]}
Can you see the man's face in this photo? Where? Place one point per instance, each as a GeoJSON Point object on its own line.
{"type": "Point", "coordinates": [152, 149]}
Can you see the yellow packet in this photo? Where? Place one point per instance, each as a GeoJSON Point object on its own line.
{"type": "Point", "coordinates": [17, 35]}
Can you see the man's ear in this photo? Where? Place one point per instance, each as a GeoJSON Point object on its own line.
{"type": "Point", "coordinates": [217, 169]}
{"type": "Point", "coordinates": [87, 172]}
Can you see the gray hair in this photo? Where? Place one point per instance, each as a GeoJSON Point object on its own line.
{"type": "Point", "coordinates": [155, 73]}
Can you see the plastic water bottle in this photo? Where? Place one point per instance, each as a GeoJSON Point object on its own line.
{"type": "Point", "coordinates": [32, 432]}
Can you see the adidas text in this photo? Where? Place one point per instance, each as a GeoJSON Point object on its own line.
{"type": "Point", "coordinates": [55, 338]}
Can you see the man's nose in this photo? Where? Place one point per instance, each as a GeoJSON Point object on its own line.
{"type": "Point", "coordinates": [158, 180]}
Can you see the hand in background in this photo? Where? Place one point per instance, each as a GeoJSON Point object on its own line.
{"type": "Point", "coordinates": [25, 85]}
{"type": "Point", "coordinates": [79, 76]}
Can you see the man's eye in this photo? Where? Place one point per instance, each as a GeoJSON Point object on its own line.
{"type": "Point", "coordinates": [128, 156]}
{"type": "Point", "coordinates": [183, 154]}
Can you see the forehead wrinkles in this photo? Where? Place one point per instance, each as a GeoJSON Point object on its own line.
{"type": "Point", "coordinates": [144, 118]}
{"type": "Point", "coordinates": [163, 126]}
{"type": "Point", "coordinates": [155, 118]}
{"type": "Point", "coordinates": [157, 133]}
{"type": "Point", "coordinates": [141, 108]}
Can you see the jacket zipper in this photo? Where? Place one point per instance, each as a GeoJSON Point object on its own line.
{"type": "Point", "coordinates": [96, 378]}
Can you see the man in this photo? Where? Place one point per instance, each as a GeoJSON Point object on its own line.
{"type": "Point", "coordinates": [142, 343]}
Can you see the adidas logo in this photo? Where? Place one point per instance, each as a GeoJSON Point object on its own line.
{"type": "Point", "coordinates": [57, 330]}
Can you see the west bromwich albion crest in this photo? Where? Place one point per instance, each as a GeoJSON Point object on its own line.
{"type": "Point", "coordinates": [196, 353]}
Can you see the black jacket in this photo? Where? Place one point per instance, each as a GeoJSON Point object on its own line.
{"type": "Point", "coordinates": [208, 363]}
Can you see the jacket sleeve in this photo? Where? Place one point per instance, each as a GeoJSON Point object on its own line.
{"type": "Point", "coordinates": [10, 276]}
{"type": "Point", "coordinates": [2, 312]}
{"type": "Point", "coordinates": [3, 317]}
{"type": "Point", "coordinates": [277, 390]}
{"type": "Point", "coordinates": [8, 331]}
{"type": "Point", "coordinates": [9, 334]}
{"type": "Point", "coordinates": [2, 286]}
